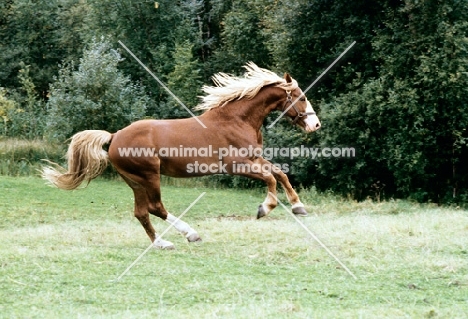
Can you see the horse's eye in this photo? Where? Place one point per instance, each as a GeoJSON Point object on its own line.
{"type": "Point", "coordinates": [302, 99]}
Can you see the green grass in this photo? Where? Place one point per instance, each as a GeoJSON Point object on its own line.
{"type": "Point", "coordinates": [60, 253]}
{"type": "Point", "coordinates": [21, 157]}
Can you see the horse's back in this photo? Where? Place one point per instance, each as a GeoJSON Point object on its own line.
{"type": "Point", "coordinates": [143, 132]}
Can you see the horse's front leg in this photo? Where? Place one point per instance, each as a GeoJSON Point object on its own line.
{"type": "Point", "coordinates": [270, 201]}
{"type": "Point", "coordinates": [252, 169]}
{"type": "Point", "coordinates": [297, 206]}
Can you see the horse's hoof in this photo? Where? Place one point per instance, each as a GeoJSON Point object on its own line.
{"type": "Point", "coordinates": [261, 212]}
{"type": "Point", "coordinates": [193, 238]}
{"type": "Point", "coordinates": [299, 211]}
{"type": "Point", "coordinates": [163, 244]}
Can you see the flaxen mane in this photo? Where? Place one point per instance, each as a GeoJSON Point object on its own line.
{"type": "Point", "coordinates": [228, 88]}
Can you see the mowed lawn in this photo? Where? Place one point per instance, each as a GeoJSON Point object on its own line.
{"type": "Point", "coordinates": [61, 253]}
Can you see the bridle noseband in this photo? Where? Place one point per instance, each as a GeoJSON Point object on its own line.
{"type": "Point", "coordinates": [299, 114]}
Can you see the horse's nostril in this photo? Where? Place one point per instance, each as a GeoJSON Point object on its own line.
{"type": "Point", "coordinates": [317, 125]}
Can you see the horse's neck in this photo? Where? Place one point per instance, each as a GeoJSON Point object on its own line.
{"type": "Point", "coordinates": [249, 112]}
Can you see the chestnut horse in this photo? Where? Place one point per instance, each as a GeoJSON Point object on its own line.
{"type": "Point", "coordinates": [230, 143]}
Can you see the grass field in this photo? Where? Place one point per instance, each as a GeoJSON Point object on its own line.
{"type": "Point", "coordinates": [61, 252]}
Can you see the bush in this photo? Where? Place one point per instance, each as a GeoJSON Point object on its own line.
{"type": "Point", "coordinates": [7, 106]}
{"type": "Point", "coordinates": [95, 96]}
{"type": "Point", "coordinates": [409, 124]}
{"type": "Point", "coordinates": [22, 111]}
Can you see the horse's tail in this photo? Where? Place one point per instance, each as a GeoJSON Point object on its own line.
{"type": "Point", "coordinates": [86, 160]}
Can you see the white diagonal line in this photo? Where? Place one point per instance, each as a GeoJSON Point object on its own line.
{"type": "Point", "coordinates": [315, 237]}
{"type": "Point", "coordinates": [161, 83]}
{"type": "Point", "coordinates": [160, 236]}
{"type": "Point", "coordinates": [313, 83]}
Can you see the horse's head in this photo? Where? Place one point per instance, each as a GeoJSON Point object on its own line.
{"type": "Point", "coordinates": [299, 109]}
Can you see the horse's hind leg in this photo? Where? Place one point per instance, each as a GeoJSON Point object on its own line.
{"type": "Point", "coordinates": [156, 207]}
{"type": "Point", "coordinates": [141, 213]}
{"type": "Point", "coordinates": [183, 228]}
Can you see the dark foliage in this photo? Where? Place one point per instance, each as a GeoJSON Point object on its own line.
{"type": "Point", "coordinates": [399, 97]}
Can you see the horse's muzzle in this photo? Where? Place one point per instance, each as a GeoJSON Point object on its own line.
{"type": "Point", "coordinates": [312, 123]}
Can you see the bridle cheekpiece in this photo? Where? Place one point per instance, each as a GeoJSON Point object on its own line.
{"type": "Point", "coordinates": [299, 114]}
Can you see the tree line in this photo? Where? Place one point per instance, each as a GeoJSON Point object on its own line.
{"type": "Point", "coordinates": [399, 97]}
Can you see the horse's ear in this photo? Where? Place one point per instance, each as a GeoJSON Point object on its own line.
{"type": "Point", "coordinates": [288, 78]}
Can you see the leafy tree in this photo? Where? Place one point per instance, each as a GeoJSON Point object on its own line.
{"type": "Point", "coordinates": [39, 34]}
{"type": "Point", "coordinates": [184, 81]}
{"type": "Point", "coordinates": [410, 123]}
{"type": "Point", "coordinates": [399, 96]}
{"type": "Point", "coordinates": [148, 30]}
{"type": "Point", "coordinates": [28, 119]}
{"type": "Point", "coordinates": [22, 110]}
{"type": "Point", "coordinates": [95, 96]}
{"type": "Point", "coordinates": [304, 37]}
{"type": "Point", "coordinates": [7, 106]}
{"type": "Point", "coordinates": [242, 39]}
